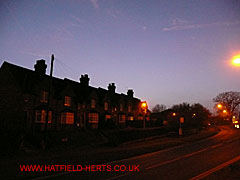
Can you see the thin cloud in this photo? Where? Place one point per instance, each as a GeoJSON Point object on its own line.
{"type": "Point", "coordinates": [76, 21]}
{"type": "Point", "coordinates": [42, 55]}
{"type": "Point", "coordinates": [199, 26]}
{"type": "Point", "coordinates": [75, 18]}
{"type": "Point", "coordinates": [61, 33]}
{"type": "Point", "coordinates": [95, 3]}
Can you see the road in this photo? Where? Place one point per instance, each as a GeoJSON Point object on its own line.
{"type": "Point", "coordinates": [190, 161]}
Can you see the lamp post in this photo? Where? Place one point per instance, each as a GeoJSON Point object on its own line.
{"type": "Point", "coordinates": [144, 107]}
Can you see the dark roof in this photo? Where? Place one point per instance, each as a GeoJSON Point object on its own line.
{"type": "Point", "coordinates": [26, 79]}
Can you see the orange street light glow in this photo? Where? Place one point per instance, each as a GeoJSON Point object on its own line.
{"type": "Point", "coordinates": [219, 106]}
{"type": "Point", "coordinates": [174, 114]}
{"type": "Point", "coordinates": [144, 105]}
{"type": "Point", "coordinates": [236, 60]}
{"type": "Point", "coordinates": [224, 111]}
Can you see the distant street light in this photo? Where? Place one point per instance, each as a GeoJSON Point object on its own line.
{"type": "Point", "coordinates": [219, 106]}
{"type": "Point", "coordinates": [144, 107]}
{"type": "Point", "coordinates": [174, 114]}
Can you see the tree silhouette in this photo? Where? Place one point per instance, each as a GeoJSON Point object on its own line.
{"type": "Point", "coordinates": [229, 100]}
{"type": "Point", "coordinates": [159, 108]}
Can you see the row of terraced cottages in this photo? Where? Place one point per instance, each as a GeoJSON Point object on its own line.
{"type": "Point", "coordinates": [26, 95]}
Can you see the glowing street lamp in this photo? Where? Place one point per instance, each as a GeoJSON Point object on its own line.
{"type": "Point", "coordinates": [236, 60]}
{"type": "Point", "coordinates": [174, 114]}
{"type": "Point", "coordinates": [144, 107]}
{"type": "Point", "coordinates": [219, 106]}
{"type": "Point", "coordinates": [225, 111]}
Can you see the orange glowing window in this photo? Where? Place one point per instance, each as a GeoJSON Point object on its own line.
{"type": "Point", "coordinates": [67, 118]}
{"type": "Point", "coordinates": [108, 116]}
{"type": "Point", "coordinates": [93, 118]}
{"type": "Point", "coordinates": [105, 106]}
{"type": "Point", "coordinates": [122, 118]}
{"type": "Point", "coordinates": [67, 101]}
{"type": "Point", "coordinates": [41, 116]}
{"type": "Point", "coordinates": [130, 118]}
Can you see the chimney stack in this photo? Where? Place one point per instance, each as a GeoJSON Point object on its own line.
{"type": "Point", "coordinates": [40, 67]}
{"type": "Point", "coordinates": [130, 93]}
{"type": "Point", "coordinates": [84, 80]}
{"type": "Point", "coordinates": [111, 87]}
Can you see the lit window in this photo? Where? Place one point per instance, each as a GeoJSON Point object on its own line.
{"type": "Point", "coordinates": [93, 117]}
{"type": "Point", "coordinates": [44, 97]}
{"type": "Point", "coordinates": [121, 107]}
{"type": "Point", "coordinates": [122, 118]}
{"type": "Point", "coordinates": [130, 118]}
{"type": "Point", "coordinates": [129, 108]}
{"type": "Point", "coordinates": [93, 103]}
{"type": "Point", "coordinates": [67, 101]}
{"type": "Point", "coordinates": [105, 106]}
{"type": "Point", "coordinates": [107, 117]}
{"type": "Point", "coordinates": [67, 118]}
{"type": "Point", "coordinates": [41, 116]}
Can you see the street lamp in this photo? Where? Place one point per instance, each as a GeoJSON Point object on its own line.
{"type": "Point", "coordinates": [236, 60]}
{"type": "Point", "coordinates": [219, 106]}
{"type": "Point", "coordinates": [144, 107]}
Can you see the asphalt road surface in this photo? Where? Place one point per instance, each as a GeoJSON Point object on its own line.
{"type": "Point", "coordinates": [190, 161]}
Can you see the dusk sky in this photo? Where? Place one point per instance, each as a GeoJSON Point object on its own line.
{"type": "Point", "coordinates": [167, 51]}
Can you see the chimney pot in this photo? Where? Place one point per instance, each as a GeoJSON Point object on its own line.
{"type": "Point", "coordinates": [130, 93]}
{"type": "Point", "coordinates": [40, 67]}
{"type": "Point", "coordinates": [112, 87]}
{"type": "Point", "coordinates": [84, 80]}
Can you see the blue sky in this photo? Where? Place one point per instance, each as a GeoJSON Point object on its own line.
{"type": "Point", "coordinates": [168, 51]}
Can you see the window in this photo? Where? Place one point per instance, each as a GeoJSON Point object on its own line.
{"type": "Point", "coordinates": [122, 118]}
{"type": "Point", "coordinates": [67, 101]}
{"type": "Point", "coordinates": [67, 118]}
{"type": "Point", "coordinates": [105, 106]}
{"type": "Point", "coordinates": [129, 108]}
{"type": "Point", "coordinates": [140, 117]}
{"type": "Point", "coordinates": [41, 116]}
{"type": "Point", "coordinates": [93, 117]}
{"type": "Point", "coordinates": [44, 97]}
{"type": "Point", "coordinates": [107, 117]}
{"type": "Point", "coordinates": [93, 103]}
{"type": "Point", "coordinates": [121, 107]}
{"type": "Point", "coordinates": [78, 106]}
{"type": "Point", "coordinates": [130, 118]}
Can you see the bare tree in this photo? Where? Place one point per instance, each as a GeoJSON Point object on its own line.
{"type": "Point", "coordinates": [230, 100]}
{"type": "Point", "coordinates": [159, 108]}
